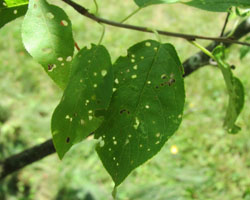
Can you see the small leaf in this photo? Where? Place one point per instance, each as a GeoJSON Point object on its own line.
{"type": "Point", "coordinates": [47, 36]}
{"type": "Point", "coordinates": [11, 11]}
{"type": "Point", "coordinates": [89, 90]}
{"type": "Point", "coordinates": [245, 49]}
{"type": "Point", "coordinates": [144, 3]}
{"type": "Point", "coordinates": [218, 5]}
{"type": "Point", "coordinates": [235, 91]}
{"type": "Point", "coordinates": [145, 110]}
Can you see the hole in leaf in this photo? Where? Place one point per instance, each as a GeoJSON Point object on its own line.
{"type": "Point", "coordinates": [102, 143]}
{"type": "Point", "coordinates": [148, 44]}
{"type": "Point", "coordinates": [62, 64]}
{"type": "Point", "coordinates": [116, 81]}
{"type": "Point", "coordinates": [51, 67]}
{"type": "Point", "coordinates": [60, 59]}
{"type": "Point", "coordinates": [135, 67]}
{"type": "Point", "coordinates": [142, 57]}
{"type": "Point", "coordinates": [95, 85]}
{"type": "Point", "coordinates": [158, 135]}
{"type": "Point", "coordinates": [69, 58]}
{"type": "Point", "coordinates": [115, 142]}
{"type": "Point", "coordinates": [64, 23]}
{"type": "Point", "coordinates": [104, 72]}
{"type": "Point", "coordinates": [163, 76]}
{"type": "Point", "coordinates": [50, 15]}
{"type": "Point", "coordinates": [15, 12]}
{"type": "Point", "coordinates": [171, 81]}
{"type": "Point", "coordinates": [134, 76]}
{"type": "Point", "coordinates": [95, 74]}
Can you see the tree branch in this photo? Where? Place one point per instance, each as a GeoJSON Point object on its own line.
{"type": "Point", "coordinates": [83, 11]}
{"type": "Point", "coordinates": [36, 153]}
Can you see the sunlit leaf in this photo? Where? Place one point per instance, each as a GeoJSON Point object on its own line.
{"type": "Point", "coordinates": [15, 3]}
{"type": "Point", "coordinates": [89, 90]}
{"type": "Point", "coordinates": [47, 36]}
{"type": "Point", "coordinates": [9, 12]}
{"type": "Point", "coordinates": [218, 5]}
{"type": "Point", "coordinates": [235, 91]}
{"type": "Point", "coordinates": [145, 110]}
{"type": "Point", "coordinates": [144, 3]}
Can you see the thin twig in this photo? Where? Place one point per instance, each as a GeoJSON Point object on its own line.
{"type": "Point", "coordinates": [225, 23]}
{"type": "Point", "coordinates": [83, 11]}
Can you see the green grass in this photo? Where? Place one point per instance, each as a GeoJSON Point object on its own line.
{"type": "Point", "coordinates": [210, 164]}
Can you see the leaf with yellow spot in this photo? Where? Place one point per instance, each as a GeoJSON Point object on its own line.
{"type": "Point", "coordinates": [47, 36]}
{"type": "Point", "coordinates": [145, 109]}
{"type": "Point", "coordinates": [89, 90]}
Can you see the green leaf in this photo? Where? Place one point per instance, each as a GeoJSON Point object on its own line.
{"type": "Point", "coordinates": [235, 91]}
{"type": "Point", "coordinates": [9, 12]}
{"type": "Point", "coordinates": [47, 36]}
{"type": "Point", "coordinates": [15, 3]}
{"type": "Point", "coordinates": [89, 90]}
{"type": "Point", "coordinates": [144, 3]}
{"type": "Point", "coordinates": [145, 110]}
{"type": "Point", "coordinates": [244, 50]}
{"type": "Point", "coordinates": [218, 5]}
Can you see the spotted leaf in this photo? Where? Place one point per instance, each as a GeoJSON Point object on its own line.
{"type": "Point", "coordinates": [47, 36]}
{"type": "Point", "coordinates": [145, 110]}
{"type": "Point", "coordinates": [10, 10]}
{"type": "Point", "coordinates": [89, 90]}
{"type": "Point", "coordinates": [235, 91]}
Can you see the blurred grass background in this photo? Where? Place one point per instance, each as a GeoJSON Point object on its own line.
{"type": "Point", "coordinates": [209, 165]}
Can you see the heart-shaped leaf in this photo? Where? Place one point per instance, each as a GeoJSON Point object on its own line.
{"type": "Point", "coordinates": [89, 89]}
{"type": "Point", "coordinates": [235, 91]}
{"type": "Point", "coordinates": [47, 36]}
{"type": "Point", "coordinates": [145, 110]}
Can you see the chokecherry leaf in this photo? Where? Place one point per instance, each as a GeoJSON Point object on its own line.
{"type": "Point", "coordinates": [144, 3]}
{"type": "Point", "coordinates": [89, 90]}
{"type": "Point", "coordinates": [9, 11]}
{"type": "Point", "coordinates": [218, 5]}
{"type": "Point", "coordinates": [47, 36]}
{"type": "Point", "coordinates": [145, 110]}
{"type": "Point", "coordinates": [235, 91]}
